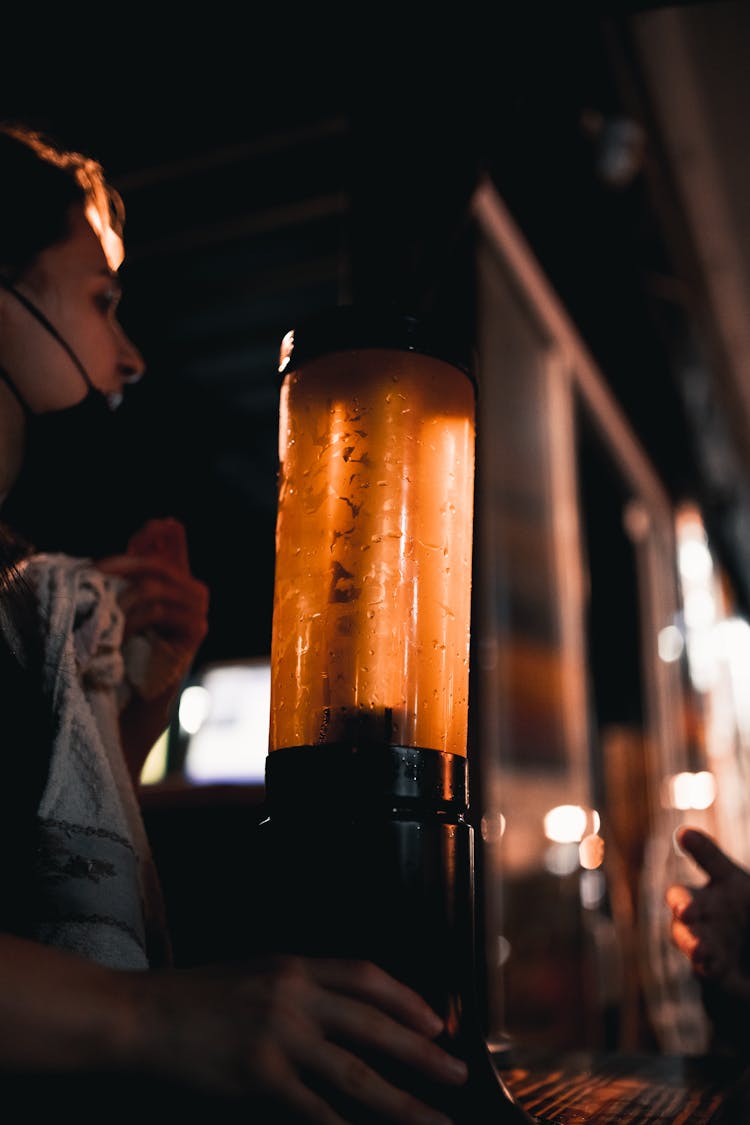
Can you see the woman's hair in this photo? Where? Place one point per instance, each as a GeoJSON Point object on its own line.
{"type": "Point", "coordinates": [40, 181]}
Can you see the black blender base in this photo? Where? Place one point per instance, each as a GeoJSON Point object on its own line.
{"type": "Point", "coordinates": [485, 1099]}
{"type": "Point", "coordinates": [368, 855]}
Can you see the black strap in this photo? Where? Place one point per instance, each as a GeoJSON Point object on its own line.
{"type": "Point", "coordinates": [6, 379]}
{"type": "Point", "coordinates": [39, 315]}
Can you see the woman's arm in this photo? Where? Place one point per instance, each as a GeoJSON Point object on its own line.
{"type": "Point", "coordinates": [60, 1013]}
{"type": "Point", "coordinates": [275, 1032]}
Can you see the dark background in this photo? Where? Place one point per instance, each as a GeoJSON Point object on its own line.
{"type": "Point", "coordinates": [275, 171]}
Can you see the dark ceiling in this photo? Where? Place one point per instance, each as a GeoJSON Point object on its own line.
{"type": "Point", "coordinates": [315, 176]}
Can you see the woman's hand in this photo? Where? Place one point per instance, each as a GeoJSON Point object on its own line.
{"type": "Point", "coordinates": [283, 1039]}
{"type": "Point", "coordinates": [292, 1032]}
{"type": "Point", "coordinates": [166, 620]}
{"type": "Point", "coordinates": [160, 596]}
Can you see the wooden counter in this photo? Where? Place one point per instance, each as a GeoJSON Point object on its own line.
{"type": "Point", "coordinates": [578, 1088]}
{"type": "Point", "coordinates": [587, 1088]}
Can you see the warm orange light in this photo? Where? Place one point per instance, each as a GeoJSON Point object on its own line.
{"type": "Point", "coordinates": [591, 851]}
{"type": "Point", "coordinates": [373, 552]}
{"type": "Point", "coordinates": [110, 240]}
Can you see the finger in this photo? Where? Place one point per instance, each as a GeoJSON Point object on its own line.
{"type": "Point", "coordinates": [706, 853]}
{"type": "Point", "coordinates": [309, 1105]}
{"type": "Point", "coordinates": [686, 905]}
{"type": "Point", "coordinates": [180, 625]}
{"type": "Point", "coordinates": [357, 1021]}
{"type": "Point", "coordinates": [678, 899]}
{"type": "Point", "coordinates": [139, 591]}
{"type": "Point", "coordinates": [280, 1082]}
{"type": "Point", "coordinates": [164, 537]}
{"type": "Point", "coordinates": [685, 939]}
{"type": "Point", "coordinates": [187, 597]}
{"type": "Point", "coordinates": [182, 599]}
{"type": "Point", "coordinates": [131, 566]}
{"type": "Point", "coordinates": [705, 959]}
{"type": "Point", "coordinates": [369, 982]}
{"type": "Point", "coordinates": [360, 1082]}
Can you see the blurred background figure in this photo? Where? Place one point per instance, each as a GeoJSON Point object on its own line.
{"type": "Point", "coordinates": [711, 927]}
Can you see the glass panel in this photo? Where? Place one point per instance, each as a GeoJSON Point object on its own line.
{"type": "Point", "coordinates": [578, 720]}
{"type": "Point", "coordinates": [531, 769]}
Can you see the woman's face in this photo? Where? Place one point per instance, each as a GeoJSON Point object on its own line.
{"type": "Point", "coordinates": [75, 288]}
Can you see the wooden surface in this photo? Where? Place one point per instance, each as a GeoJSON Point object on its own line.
{"type": "Point", "coordinates": [588, 1088]}
{"type": "Point", "coordinates": [577, 1088]}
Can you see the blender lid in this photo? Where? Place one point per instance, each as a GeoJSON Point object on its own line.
{"type": "Point", "coordinates": [353, 327]}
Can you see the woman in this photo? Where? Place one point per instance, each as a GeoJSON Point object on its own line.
{"type": "Point", "coordinates": [91, 660]}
